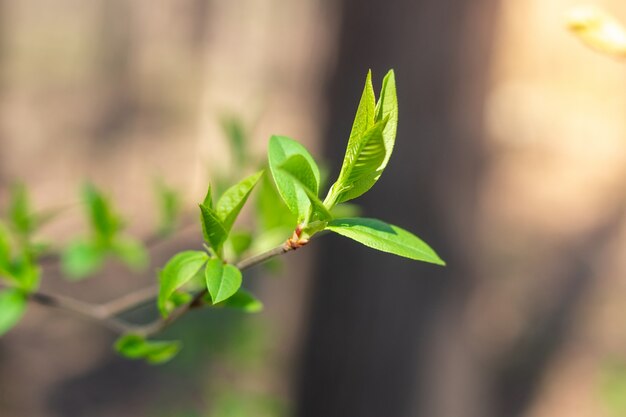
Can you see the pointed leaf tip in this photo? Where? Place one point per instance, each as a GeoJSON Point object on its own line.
{"type": "Point", "coordinates": [232, 201]}
{"type": "Point", "coordinates": [370, 144]}
{"type": "Point", "coordinates": [385, 237]}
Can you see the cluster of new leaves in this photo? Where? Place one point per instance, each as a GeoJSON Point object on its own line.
{"type": "Point", "coordinates": [288, 212]}
{"type": "Point", "coordinates": [86, 255]}
{"type": "Point", "coordinates": [369, 148]}
{"type": "Point", "coordinates": [18, 257]}
{"type": "Point", "coordinates": [297, 178]}
{"type": "Point", "coordinates": [222, 279]}
{"type": "Point", "coordinates": [21, 251]}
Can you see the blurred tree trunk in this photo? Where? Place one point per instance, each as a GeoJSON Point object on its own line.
{"type": "Point", "coordinates": [376, 320]}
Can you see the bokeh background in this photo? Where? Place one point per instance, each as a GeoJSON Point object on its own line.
{"type": "Point", "coordinates": [510, 160]}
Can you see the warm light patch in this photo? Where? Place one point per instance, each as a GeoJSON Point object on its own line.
{"type": "Point", "coordinates": [598, 30]}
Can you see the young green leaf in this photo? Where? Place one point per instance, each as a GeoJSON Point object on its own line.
{"type": "Point", "coordinates": [385, 237]}
{"type": "Point", "coordinates": [244, 301]}
{"type": "Point", "coordinates": [25, 272]}
{"type": "Point", "coordinates": [169, 205]}
{"type": "Point", "coordinates": [240, 242]}
{"type": "Point", "coordinates": [365, 114]}
{"type": "Point", "coordinates": [297, 168]}
{"type": "Point", "coordinates": [387, 108]}
{"type": "Point", "coordinates": [178, 298]}
{"type": "Point", "coordinates": [280, 150]}
{"type": "Point", "coordinates": [181, 268]}
{"type": "Point", "coordinates": [270, 239]}
{"type": "Point", "coordinates": [271, 210]}
{"type": "Point", "coordinates": [370, 144]}
{"type": "Point", "coordinates": [12, 307]}
{"type": "Point", "coordinates": [131, 252]}
{"type": "Point", "coordinates": [213, 229]}
{"type": "Point", "coordinates": [5, 249]}
{"type": "Point", "coordinates": [346, 210]}
{"type": "Point", "coordinates": [154, 352]}
{"type": "Point", "coordinates": [20, 215]}
{"type": "Point", "coordinates": [232, 201]}
{"type": "Point", "coordinates": [234, 130]}
{"type": "Point", "coordinates": [318, 209]}
{"type": "Point", "coordinates": [360, 169]}
{"type": "Point", "coordinates": [81, 259]}
{"type": "Point", "coordinates": [104, 222]}
{"type": "Point", "coordinates": [222, 280]}
{"type": "Point", "coordinates": [208, 198]}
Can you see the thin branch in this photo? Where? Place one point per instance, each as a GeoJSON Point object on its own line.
{"type": "Point", "coordinates": [89, 311]}
{"type": "Point", "coordinates": [262, 257]}
{"type": "Point", "coordinates": [160, 324]}
{"type": "Point", "coordinates": [129, 301]}
{"type": "Point", "coordinates": [106, 313]}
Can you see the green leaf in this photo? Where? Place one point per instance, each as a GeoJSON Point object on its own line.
{"type": "Point", "coordinates": [155, 352]}
{"type": "Point", "coordinates": [169, 205]}
{"type": "Point", "coordinates": [20, 269]}
{"type": "Point", "coordinates": [5, 248]}
{"type": "Point", "coordinates": [181, 268]}
{"type": "Point", "coordinates": [222, 280]}
{"type": "Point", "coordinates": [244, 301]}
{"type": "Point", "coordinates": [234, 130]}
{"type": "Point", "coordinates": [240, 242]}
{"type": "Point", "coordinates": [387, 108]}
{"type": "Point", "coordinates": [81, 259]}
{"type": "Point", "coordinates": [346, 210]}
{"type": "Point", "coordinates": [131, 252]}
{"type": "Point", "coordinates": [178, 298]}
{"type": "Point", "coordinates": [212, 228]}
{"type": "Point", "coordinates": [297, 168]}
{"type": "Point", "coordinates": [385, 237]}
{"type": "Point", "coordinates": [25, 272]}
{"type": "Point", "coordinates": [267, 240]}
{"type": "Point", "coordinates": [370, 144]}
{"type": "Point", "coordinates": [12, 308]}
{"type": "Point", "coordinates": [232, 201]}
{"type": "Point", "coordinates": [280, 150]}
{"type": "Point", "coordinates": [104, 222]}
{"type": "Point", "coordinates": [271, 210]}
{"type": "Point", "coordinates": [37, 249]}
{"type": "Point", "coordinates": [360, 168]}
{"type": "Point", "coordinates": [365, 113]}
{"type": "Point", "coordinates": [20, 214]}
{"type": "Point", "coordinates": [208, 198]}
{"type": "Point", "coordinates": [318, 209]}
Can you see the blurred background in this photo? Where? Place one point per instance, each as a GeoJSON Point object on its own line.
{"type": "Point", "coordinates": [510, 161]}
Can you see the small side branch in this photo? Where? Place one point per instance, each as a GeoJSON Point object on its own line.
{"type": "Point", "coordinates": [129, 301]}
{"type": "Point", "coordinates": [88, 311]}
{"type": "Point", "coordinates": [160, 324]}
{"type": "Point", "coordinates": [107, 313]}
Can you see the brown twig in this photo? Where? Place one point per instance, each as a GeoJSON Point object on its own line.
{"type": "Point", "coordinates": [160, 324]}
{"type": "Point", "coordinates": [107, 313]}
{"type": "Point", "coordinates": [86, 310]}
